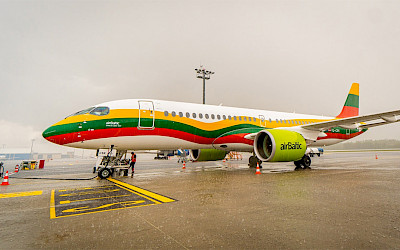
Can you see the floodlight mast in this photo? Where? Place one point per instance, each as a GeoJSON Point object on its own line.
{"type": "Point", "coordinates": [205, 75]}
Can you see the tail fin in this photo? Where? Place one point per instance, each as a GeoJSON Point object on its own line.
{"type": "Point", "coordinates": [351, 106]}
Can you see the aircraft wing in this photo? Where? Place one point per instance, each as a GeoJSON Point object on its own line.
{"type": "Point", "coordinates": [367, 121]}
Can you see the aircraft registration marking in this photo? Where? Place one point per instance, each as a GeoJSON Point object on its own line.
{"type": "Point", "coordinates": [87, 200]}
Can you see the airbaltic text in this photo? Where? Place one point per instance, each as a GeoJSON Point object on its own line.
{"type": "Point", "coordinates": [289, 146]}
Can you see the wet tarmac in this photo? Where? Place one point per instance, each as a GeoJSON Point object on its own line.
{"type": "Point", "coordinates": [348, 200]}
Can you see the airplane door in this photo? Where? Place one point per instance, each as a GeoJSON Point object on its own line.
{"type": "Point", "coordinates": [263, 122]}
{"type": "Point", "coordinates": [348, 133]}
{"type": "Point", "coordinates": [146, 115]}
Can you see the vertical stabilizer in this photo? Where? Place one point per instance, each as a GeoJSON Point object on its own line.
{"type": "Point", "coordinates": [351, 106]}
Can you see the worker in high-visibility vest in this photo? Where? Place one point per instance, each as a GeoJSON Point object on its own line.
{"type": "Point", "coordinates": [133, 161]}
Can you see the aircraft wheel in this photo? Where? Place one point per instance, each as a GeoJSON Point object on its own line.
{"type": "Point", "coordinates": [298, 166]}
{"type": "Point", "coordinates": [104, 173]}
{"type": "Point", "coordinates": [306, 161]}
{"type": "Point", "coordinates": [253, 161]}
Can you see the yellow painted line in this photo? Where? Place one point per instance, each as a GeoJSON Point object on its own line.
{"type": "Point", "coordinates": [87, 208]}
{"type": "Point", "coordinates": [62, 216]}
{"type": "Point", "coordinates": [143, 191]}
{"type": "Point", "coordinates": [91, 192]}
{"type": "Point", "coordinates": [85, 188]}
{"type": "Point", "coordinates": [52, 206]}
{"type": "Point", "coordinates": [97, 198]}
{"type": "Point", "coordinates": [20, 194]}
{"type": "Point", "coordinates": [139, 194]}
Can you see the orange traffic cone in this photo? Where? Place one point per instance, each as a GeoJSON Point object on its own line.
{"type": "Point", "coordinates": [16, 168]}
{"type": "Point", "coordinates": [5, 180]}
{"type": "Point", "coordinates": [258, 169]}
{"type": "Point", "coordinates": [376, 156]}
{"type": "Point", "coordinates": [184, 165]}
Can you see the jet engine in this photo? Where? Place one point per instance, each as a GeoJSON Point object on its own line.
{"type": "Point", "coordinates": [207, 154]}
{"type": "Point", "coordinates": [275, 145]}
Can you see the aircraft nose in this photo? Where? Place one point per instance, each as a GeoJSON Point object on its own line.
{"type": "Point", "coordinates": [48, 133]}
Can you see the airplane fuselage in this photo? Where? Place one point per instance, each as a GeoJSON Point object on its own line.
{"type": "Point", "coordinates": [145, 124]}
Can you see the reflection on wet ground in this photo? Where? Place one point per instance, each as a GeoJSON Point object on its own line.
{"type": "Point", "coordinates": [348, 200]}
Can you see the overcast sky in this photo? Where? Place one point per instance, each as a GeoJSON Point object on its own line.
{"type": "Point", "coordinates": [58, 57]}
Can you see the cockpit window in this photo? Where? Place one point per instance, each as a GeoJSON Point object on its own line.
{"type": "Point", "coordinates": [100, 111]}
{"type": "Point", "coordinates": [85, 111]}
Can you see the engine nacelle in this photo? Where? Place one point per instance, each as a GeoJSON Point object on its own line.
{"type": "Point", "coordinates": [207, 154]}
{"type": "Point", "coordinates": [275, 145]}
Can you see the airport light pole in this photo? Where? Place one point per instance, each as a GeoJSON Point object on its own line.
{"type": "Point", "coordinates": [205, 75]}
{"type": "Point", "coordinates": [32, 149]}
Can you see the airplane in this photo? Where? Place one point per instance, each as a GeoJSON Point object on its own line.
{"type": "Point", "coordinates": [211, 131]}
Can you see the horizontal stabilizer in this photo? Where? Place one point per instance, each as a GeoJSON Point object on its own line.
{"type": "Point", "coordinates": [372, 120]}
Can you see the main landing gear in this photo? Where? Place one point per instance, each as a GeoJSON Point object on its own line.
{"type": "Point", "coordinates": [253, 160]}
{"type": "Point", "coordinates": [303, 163]}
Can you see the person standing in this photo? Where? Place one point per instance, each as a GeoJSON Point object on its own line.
{"type": "Point", "coordinates": [133, 161]}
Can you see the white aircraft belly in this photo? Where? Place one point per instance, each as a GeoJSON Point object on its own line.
{"type": "Point", "coordinates": [139, 143]}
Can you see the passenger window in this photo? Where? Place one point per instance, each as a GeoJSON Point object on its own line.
{"type": "Point", "coordinates": [100, 111]}
{"type": "Point", "coordinates": [245, 118]}
{"type": "Point", "coordinates": [218, 117]}
{"type": "Point", "coordinates": [166, 113]}
{"type": "Point", "coordinates": [200, 115]}
{"type": "Point", "coordinates": [180, 114]}
{"type": "Point", "coordinates": [224, 117]}
{"type": "Point", "coordinates": [270, 120]}
{"type": "Point", "coordinates": [277, 121]}
{"type": "Point", "coordinates": [234, 117]}
{"type": "Point", "coordinates": [284, 121]}
{"type": "Point", "coordinates": [206, 115]}
{"type": "Point", "coordinates": [240, 118]}
{"type": "Point", "coordinates": [212, 116]}
{"type": "Point", "coordinates": [281, 121]}
{"type": "Point", "coordinates": [254, 119]}
{"type": "Point", "coordinates": [173, 113]}
{"type": "Point", "coordinates": [229, 117]}
{"type": "Point", "coordinates": [194, 115]}
{"type": "Point", "coordinates": [187, 115]}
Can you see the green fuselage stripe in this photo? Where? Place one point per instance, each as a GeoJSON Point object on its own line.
{"type": "Point", "coordinates": [158, 123]}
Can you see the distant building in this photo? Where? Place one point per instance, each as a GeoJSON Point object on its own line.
{"type": "Point", "coordinates": [25, 154]}
{"type": "Point", "coordinates": [15, 153]}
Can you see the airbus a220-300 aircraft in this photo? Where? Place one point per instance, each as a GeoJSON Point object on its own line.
{"type": "Point", "coordinates": [211, 131]}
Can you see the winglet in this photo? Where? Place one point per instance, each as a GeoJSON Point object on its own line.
{"type": "Point", "coordinates": [351, 106]}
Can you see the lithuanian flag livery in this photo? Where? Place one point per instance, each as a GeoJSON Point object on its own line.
{"type": "Point", "coordinates": [351, 106]}
{"type": "Point", "coordinates": [147, 124]}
